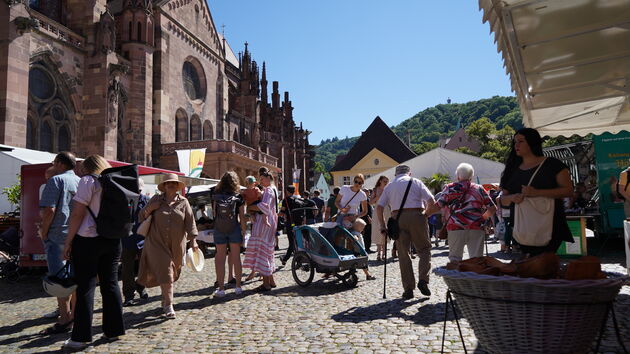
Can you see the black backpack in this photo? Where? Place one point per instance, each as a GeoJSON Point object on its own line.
{"type": "Point", "coordinates": [225, 213]}
{"type": "Point", "coordinates": [119, 200]}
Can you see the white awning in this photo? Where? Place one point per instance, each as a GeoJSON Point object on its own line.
{"type": "Point", "coordinates": [568, 60]}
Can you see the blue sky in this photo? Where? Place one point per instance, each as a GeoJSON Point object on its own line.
{"type": "Point", "coordinates": [346, 61]}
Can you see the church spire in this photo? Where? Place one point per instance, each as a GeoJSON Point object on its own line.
{"type": "Point", "coordinates": [263, 85]}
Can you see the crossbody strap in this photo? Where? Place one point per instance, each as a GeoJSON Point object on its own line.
{"type": "Point", "coordinates": [348, 202]}
{"type": "Point", "coordinates": [535, 172]}
{"type": "Point", "coordinates": [404, 199]}
{"type": "Point", "coordinates": [275, 200]}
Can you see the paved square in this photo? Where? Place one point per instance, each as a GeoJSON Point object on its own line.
{"type": "Point", "coordinates": [324, 317]}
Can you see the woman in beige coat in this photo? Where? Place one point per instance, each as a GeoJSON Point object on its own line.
{"type": "Point", "coordinates": [172, 225]}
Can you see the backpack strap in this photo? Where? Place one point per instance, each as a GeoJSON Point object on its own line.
{"type": "Point", "coordinates": [95, 177]}
{"type": "Point", "coordinates": [275, 200]}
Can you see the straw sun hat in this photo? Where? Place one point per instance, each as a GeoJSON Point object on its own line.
{"type": "Point", "coordinates": [170, 177]}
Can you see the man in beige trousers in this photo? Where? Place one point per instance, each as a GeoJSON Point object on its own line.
{"type": "Point", "coordinates": [412, 224]}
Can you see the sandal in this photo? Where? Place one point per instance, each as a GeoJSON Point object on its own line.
{"type": "Point", "coordinates": [261, 289]}
{"type": "Point", "coordinates": [370, 277]}
{"type": "Point", "coordinates": [58, 328]}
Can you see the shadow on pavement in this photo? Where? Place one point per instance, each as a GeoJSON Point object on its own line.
{"type": "Point", "coordinates": [27, 288]}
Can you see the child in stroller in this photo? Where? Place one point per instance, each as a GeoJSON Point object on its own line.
{"type": "Point", "coordinates": [357, 228]}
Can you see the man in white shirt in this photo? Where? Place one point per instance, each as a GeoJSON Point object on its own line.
{"type": "Point", "coordinates": [412, 224]}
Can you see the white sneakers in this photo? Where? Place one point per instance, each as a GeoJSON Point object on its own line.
{"type": "Point", "coordinates": [221, 293]}
{"type": "Point", "coordinates": [238, 291]}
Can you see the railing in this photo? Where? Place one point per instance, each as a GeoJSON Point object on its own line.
{"type": "Point", "coordinates": [56, 30]}
{"type": "Point", "coordinates": [218, 145]}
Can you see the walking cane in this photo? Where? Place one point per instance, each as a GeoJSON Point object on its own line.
{"type": "Point", "coordinates": [385, 270]}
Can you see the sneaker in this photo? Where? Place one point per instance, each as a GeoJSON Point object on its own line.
{"type": "Point", "coordinates": [72, 345]}
{"type": "Point", "coordinates": [128, 301]}
{"type": "Point", "coordinates": [238, 291]}
{"type": "Point", "coordinates": [53, 314]}
{"type": "Point", "coordinates": [408, 294]}
{"type": "Point", "coordinates": [423, 286]}
{"type": "Point", "coordinates": [169, 311]}
{"type": "Point", "coordinates": [219, 293]}
{"type": "Point", "coordinates": [143, 294]}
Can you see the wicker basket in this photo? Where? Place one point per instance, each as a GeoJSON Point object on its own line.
{"type": "Point", "coordinates": [526, 315]}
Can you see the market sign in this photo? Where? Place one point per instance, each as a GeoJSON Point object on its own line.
{"type": "Point", "coordinates": [612, 155]}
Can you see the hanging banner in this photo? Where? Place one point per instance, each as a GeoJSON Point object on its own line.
{"type": "Point", "coordinates": [296, 180]}
{"type": "Point", "coordinates": [191, 161]}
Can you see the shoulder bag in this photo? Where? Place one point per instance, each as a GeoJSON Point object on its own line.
{"type": "Point", "coordinates": [334, 217]}
{"type": "Point", "coordinates": [533, 219]}
{"type": "Point", "coordinates": [393, 229]}
{"type": "Point", "coordinates": [143, 229]}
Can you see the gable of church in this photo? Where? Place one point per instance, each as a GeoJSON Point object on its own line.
{"type": "Point", "coordinates": [193, 16]}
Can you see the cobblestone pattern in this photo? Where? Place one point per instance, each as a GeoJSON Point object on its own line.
{"type": "Point", "coordinates": [324, 317]}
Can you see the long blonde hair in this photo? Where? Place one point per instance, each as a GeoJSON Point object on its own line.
{"type": "Point", "coordinates": [94, 164]}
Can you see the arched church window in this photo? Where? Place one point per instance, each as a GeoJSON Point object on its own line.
{"type": "Point", "coordinates": [130, 31]}
{"type": "Point", "coordinates": [30, 134]}
{"type": "Point", "coordinates": [46, 137]}
{"type": "Point", "coordinates": [194, 80]}
{"type": "Point", "coordinates": [235, 137]}
{"type": "Point", "coordinates": [195, 128]}
{"type": "Point", "coordinates": [139, 32]}
{"type": "Point", "coordinates": [181, 126]}
{"type": "Point", "coordinates": [48, 127]}
{"type": "Point", "coordinates": [207, 130]}
{"type": "Point", "coordinates": [49, 8]}
{"type": "Point", "coordinates": [63, 139]}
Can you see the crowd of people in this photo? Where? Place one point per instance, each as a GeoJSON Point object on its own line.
{"type": "Point", "coordinates": [464, 208]}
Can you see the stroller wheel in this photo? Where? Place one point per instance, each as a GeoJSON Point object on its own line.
{"type": "Point", "coordinates": [351, 279]}
{"type": "Point", "coordinates": [302, 269]}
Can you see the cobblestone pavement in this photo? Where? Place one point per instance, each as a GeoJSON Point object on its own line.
{"type": "Point", "coordinates": [324, 317]}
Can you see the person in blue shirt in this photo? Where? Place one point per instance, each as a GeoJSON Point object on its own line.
{"type": "Point", "coordinates": [55, 213]}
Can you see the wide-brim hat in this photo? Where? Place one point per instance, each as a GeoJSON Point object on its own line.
{"type": "Point", "coordinates": [195, 260]}
{"type": "Point", "coordinates": [170, 177]}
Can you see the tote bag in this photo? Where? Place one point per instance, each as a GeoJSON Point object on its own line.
{"type": "Point", "coordinates": [143, 229]}
{"type": "Point", "coordinates": [533, 219]}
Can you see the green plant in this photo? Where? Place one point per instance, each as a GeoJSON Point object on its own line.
{"type": "Point", "coordinates": [436, 182]}
{"type": "Point", "coordinates": [13, 194]}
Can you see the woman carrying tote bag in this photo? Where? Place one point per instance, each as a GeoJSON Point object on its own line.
{"type": "Point", "coordinates": [532, 179]}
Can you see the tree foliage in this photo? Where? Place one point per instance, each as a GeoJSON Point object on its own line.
{"type": "Point", "coordinates": [489, 120]}
{"type": "Point", "coordinates": [436, 182]}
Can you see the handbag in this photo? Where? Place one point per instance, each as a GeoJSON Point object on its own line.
{"type": "Point", "coordinates": [143, 229]}
{"type": "Point", "coordinates": [533, 219]}
{"type": "Point", "coordinates": [443, 234]}
{"type": "Point", "coordinates": [393, 229]}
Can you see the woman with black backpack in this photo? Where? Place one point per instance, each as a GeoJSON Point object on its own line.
{"type": "Point", "coordinates": [230, 225]}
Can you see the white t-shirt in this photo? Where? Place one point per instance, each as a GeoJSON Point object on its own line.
{"type": "Point", "coordinates": [346, 195]}
{"type": "Point", "coordinates": [89, 194]}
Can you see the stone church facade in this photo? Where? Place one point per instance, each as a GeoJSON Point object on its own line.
{"type": "Point", "coordinates": [135, 80]}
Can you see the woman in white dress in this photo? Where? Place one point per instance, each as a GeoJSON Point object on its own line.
{"type": "Point", "coordinates": [377, 236]}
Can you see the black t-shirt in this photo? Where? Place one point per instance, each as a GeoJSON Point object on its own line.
{"type": "Point", "coordinates": [544, 179]}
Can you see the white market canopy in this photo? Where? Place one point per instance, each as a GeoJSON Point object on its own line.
{"type": "Point", "coordinates": [445, 161]}
{"type": "Point", "coordinates": [568, 60]}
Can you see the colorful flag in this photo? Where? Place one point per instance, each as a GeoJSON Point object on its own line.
{"type": "Point", "coordinates": [191, 161]}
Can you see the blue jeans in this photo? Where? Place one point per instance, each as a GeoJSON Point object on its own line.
{"type": "Point", "coordinates": [54, 254]}
{"type": "Point", "coordinates": [235, 236]}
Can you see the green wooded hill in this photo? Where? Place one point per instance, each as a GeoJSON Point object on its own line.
{"type": "Point", "coordinates": [427, 126]}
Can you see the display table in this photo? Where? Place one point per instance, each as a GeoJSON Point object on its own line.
{"type": "Point", "coordinates": [626, 237]}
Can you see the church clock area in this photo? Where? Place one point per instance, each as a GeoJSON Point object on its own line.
{"type": "Point", "coordinates": [137, 80]}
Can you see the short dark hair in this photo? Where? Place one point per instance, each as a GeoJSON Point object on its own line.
{"type": "Point", "coordinates": [67, 159]}
{"type": "Point", "coordinates": [316, 192]}
{"type": "Point", "coordinates": [291, 189]}
{"type": "Point", "coordinates": [336, 190]}
{"type": "Point", "coordinates": [306, 194]}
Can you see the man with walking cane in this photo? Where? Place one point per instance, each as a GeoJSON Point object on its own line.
{"type": "Point", "coordinates": [409, 198]}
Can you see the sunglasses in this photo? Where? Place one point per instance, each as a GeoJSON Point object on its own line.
{"type": "Point", "coordinates": [357, 182]}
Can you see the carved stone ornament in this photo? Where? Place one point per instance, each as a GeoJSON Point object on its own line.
{"type": "Point", "coordinates": [13, 2]}
{"type": "Point", "coordinates": [26, 24]}
{"type": "Point", "coordinates": [105, 33]}
{"type": "Point", "coordinates": [118, 69]}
